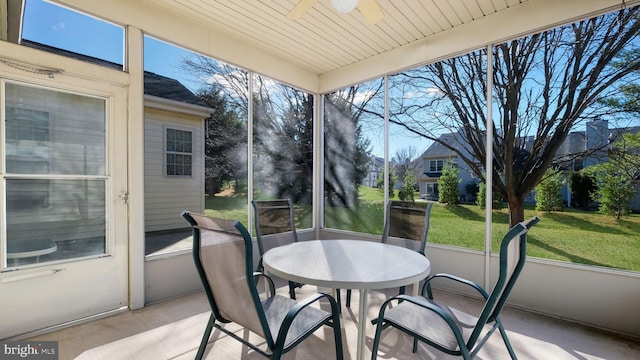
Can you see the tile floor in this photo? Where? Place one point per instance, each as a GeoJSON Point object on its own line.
{"type": "Point", "coordinates": [172, 330]}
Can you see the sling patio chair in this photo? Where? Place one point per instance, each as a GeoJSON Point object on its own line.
{"type": "Point", "coordinates": [451, 330]}
{"type": "Point", "coordinates": [223, 255]}
{"type": "Point", "coordinates": [408, 221]}
{"type": "Point", "coordinates": [274, 220]}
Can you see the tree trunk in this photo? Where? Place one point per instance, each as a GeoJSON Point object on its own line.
{"type": "Point", "coordinates": [516, 211]}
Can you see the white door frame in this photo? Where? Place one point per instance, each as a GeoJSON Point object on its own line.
{"type": "Point", "coordinates": [34, 283]}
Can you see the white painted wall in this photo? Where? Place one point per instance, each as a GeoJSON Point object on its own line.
{"type": "Point", "coordinates": [599, 297]}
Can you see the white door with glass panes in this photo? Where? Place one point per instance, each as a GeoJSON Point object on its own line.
{"type": "Point", "coordinates": [63, 169]}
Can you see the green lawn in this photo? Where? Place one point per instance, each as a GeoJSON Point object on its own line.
{"type": "Point", "coordinates": [572, 235]}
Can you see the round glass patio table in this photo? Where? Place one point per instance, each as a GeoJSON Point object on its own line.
{"type": "Point", "coordinates": [348, 264]}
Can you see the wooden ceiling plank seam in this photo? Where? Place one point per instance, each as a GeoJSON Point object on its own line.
{"type": "Point", "coordinates": [436, 14]}
{"type": "Point", "coordinates": [486, 6]}
{"type": "Point", "coordinates": [431, 23]}
{"type": "Point", "coordinates": [414, 17]}
{"type": "Point", "coordinates": [452, 18]}
{"type": "Point", "coordinates": [314, 59]}
{"type": "Point", "coordinates": [330, 26]}
{"type": "Point", "coordinates": [270, 29]}
{"type": "Point", "coordinates": [498, 5]}
{"type": "Point", "coordinates": [406, 20]}
{"type": "Point", "coordinates": [474, 9]}
{"type": "Point", "coordinates": [461, 10]}
{"type": "Point", "coordinates": [342, 38]}
{"type": "Point", "coordinates": [422, 8]}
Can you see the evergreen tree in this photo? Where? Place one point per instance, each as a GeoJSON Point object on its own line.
{"type": "Point", "coordinates": [615, 189]}
{"type": "Point", "coordinates": [347, 151]}
{"type": "Point", "coordinates": [496, 200]}
{"type": "Point", "coordinates": [448, 184]}
{"type": "Point", "coordinates": [392, 183]}
{"type": "Point", "coordinates": [225, 142]}
{"type": "Point", "coordinates": [582, 185]}
{"type": "Point", "coordinates": [616, 178]}
{"type": "Point", "coordinates": [548, 197]}
{"type": "Point", "coordinates": [408, 191]}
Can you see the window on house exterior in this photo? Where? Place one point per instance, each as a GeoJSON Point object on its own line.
{"type": "Point", "coordinates": [577, 164]}
{"type": "Point", "coordinates": [179, 147]}
{"type": "Point", "coordinates": [432, 191]}
{"type": "Point", "coordinates": [436, 165]}
{"type": "Point", "coordinates": [472, 174]}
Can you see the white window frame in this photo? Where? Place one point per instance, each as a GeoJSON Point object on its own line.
{"type": "Point", "coordinates": [438, 165]}
{"type": "Point", "coordinates": [166, 152]}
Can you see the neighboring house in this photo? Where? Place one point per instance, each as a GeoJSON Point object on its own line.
{"type": "Point", "coordinates": [173, 152]}
{"type": "Point", "coordinates": [434, 159]}
{"type": "Point", "coordinates": [597, 135]}
{"type": "Point", "coordinates": [375, 169]}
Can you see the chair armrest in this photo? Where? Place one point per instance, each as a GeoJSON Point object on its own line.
{"type": "Point", "coordinates": [422, 302]}
{"type": "Point", "coordinates": [257, 275]}
{"type": "Point", "coordinates": [295, 310]}
{"type": "Point", "coordinates": [427, 284]}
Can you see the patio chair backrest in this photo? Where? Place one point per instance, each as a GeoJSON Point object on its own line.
{"type": "Point", "coordinates": [222, 252]}
{"type": "Point", "coordinates": [408, 220]}
{"type": "Point", "coordinates": [274, 217]}
{"type": "Point", "coordinates": [513, 253]}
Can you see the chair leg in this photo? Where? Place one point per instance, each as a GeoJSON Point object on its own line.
{"type": "Point", "coordinates": [337, 332]}
{"type": "Point", "coordinates": [348, 297]}
{"type": "Point", "coordinates": [205, 337]}
{"type": "Point", "coordinates": [506, 340]}
{"type": "Point", "coordinates": [403, 289]}
{"type": "Point", "coordinates": [292, 290]}
{"type": "Point", "coordinates": [376, 339]}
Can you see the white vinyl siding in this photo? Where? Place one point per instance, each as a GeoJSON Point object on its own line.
{"type": "Point", "coordinates": [166, 196]}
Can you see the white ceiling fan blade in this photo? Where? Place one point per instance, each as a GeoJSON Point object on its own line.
{"type": "Point", "coordinates": [370, 10]}
{"type": "Point", "coordinates": [300, 9]}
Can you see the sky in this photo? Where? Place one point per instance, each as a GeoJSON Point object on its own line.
{"type": "Point", "coordinates": [64, 28]}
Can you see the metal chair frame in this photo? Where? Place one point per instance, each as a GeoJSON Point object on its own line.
{"type": "Point", "coordinates": [494, 303]}
{"type": "Point", "coordinates": [276, 346]}
{"type": "Point", "coordinates": [393, 206]}
{"type": "Point", "coordinates": [264, 207]}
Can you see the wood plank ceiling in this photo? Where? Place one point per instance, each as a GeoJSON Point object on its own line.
{"type": "Point", "coordinates": [323, 39]}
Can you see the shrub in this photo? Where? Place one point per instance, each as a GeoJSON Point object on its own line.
{"type": "Point", "coordinates": [408, 191]}
{"type": "Point", "coordinates": [448, 184]}
{"type": "Point", "coordinates": [496, 200]}
{"type": "Point", "coordinates": [615, 189]}
{"type": "Point", "coordinates": [548, 197]}
{"type": "Point", "coordinates": [582, 186]}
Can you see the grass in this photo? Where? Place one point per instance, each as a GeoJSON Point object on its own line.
{"type": "Point", "coordinates": [571, 235]}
